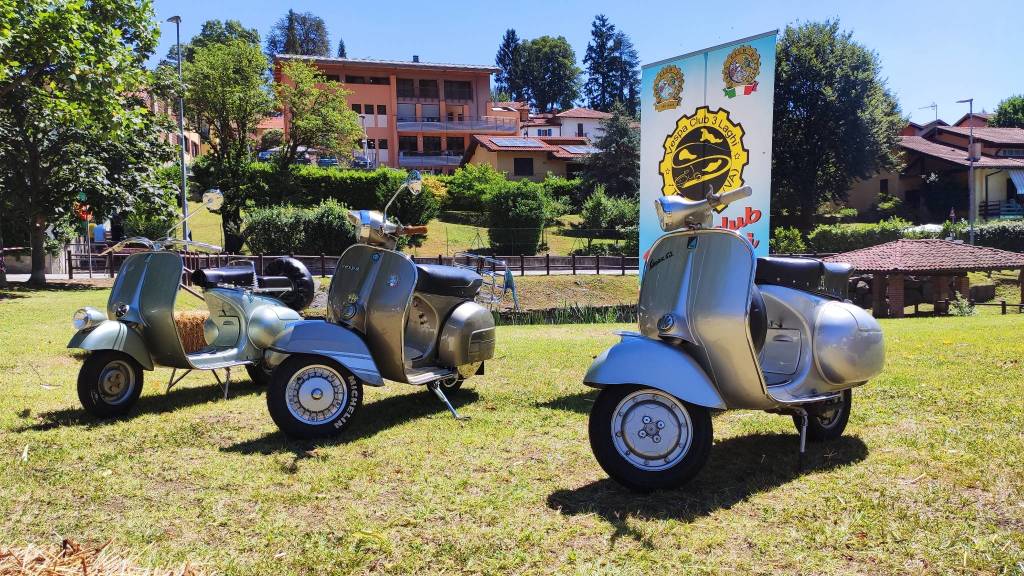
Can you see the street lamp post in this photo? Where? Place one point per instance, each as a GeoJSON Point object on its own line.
{"type": "Point", "coordinates": [181, 131]}
{"type": "Point", "coordinates": [972, 209]}
{"type": "Point", "coordinates": [362, 123]}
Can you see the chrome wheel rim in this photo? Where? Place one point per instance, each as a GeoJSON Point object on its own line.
{"type": "Point", "coordinates": [116, 382]}
{"type": "Point", "coordinates": [651, 430]}
{"type": "Point", "coordinates": [316, 394]}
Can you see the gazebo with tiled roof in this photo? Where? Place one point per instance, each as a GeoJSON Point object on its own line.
{"type": "Point", "coordinates": [943, 260]}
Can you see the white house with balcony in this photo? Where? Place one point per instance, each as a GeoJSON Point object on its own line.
{"type": "Point", "coordinates": [573, 123]}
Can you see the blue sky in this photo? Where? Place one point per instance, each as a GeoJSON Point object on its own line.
{"type": "Point", "coordinates": [932, 50]}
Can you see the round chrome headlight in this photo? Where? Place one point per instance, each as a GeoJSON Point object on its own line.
{"type": "Point", "coordinates": [86, 318]}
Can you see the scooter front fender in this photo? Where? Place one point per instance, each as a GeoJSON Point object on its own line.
{"type": "Point", "coordinates": [638, 360]}
{"type": "Point", "coordinates": [321, 338]}
{"type": "Point", "coordinates": [114, 335]}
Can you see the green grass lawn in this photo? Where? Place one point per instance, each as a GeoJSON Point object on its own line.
{"type": "Point", "coordinates": [205, 226]}
{"type": "Point", "coordinates": [446, 238]}
{"type": "Point", "coordinates": [927, 480]}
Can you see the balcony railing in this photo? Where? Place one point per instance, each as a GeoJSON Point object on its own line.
{"type": "Point", "coordinates": [1001, 209]}
{"type": "Point", "coordinates": [429, 159]}
{"type": "Point", "coordinates": [434, 124]}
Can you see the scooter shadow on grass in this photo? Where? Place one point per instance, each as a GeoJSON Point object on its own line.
{"type": "Point", "coordinates": [738, 468]}
{"type": "Point", "coordinates": [372, 418]}
{"type": "Point", "coordinates": [147, 404]}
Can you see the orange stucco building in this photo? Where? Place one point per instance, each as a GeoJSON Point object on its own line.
{"type": "Point", "coordinates": [417, 114]}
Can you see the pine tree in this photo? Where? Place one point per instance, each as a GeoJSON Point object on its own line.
{"type": "Point", "coordinates": [617, 164]}
{"type": "Point", "coordinates": [302, 33]}
{"type": "Point", "coordinates": [341, 49]}
{"type": "Point", "coordinates": [509, 79]}
{"type": "Point", "coordinates": [625, 72]}
{"type": "Point", "coordinates": [598, 60]}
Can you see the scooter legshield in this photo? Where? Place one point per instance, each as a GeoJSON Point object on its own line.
{"type": "Point", "coordinates": [642, 361]}
{"type": "Point", "coordinates": [114, 335]}
{"type": "Point", "coordinates": [325, 339]}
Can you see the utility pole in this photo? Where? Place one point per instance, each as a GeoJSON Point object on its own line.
{"type": "Point", "coordinates": [181, 132]}
{"type": "Point", "coordinates": [972, 208]}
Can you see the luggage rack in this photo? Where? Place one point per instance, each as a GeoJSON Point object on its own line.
{"type": "Point", "coordinates": [497, 278]}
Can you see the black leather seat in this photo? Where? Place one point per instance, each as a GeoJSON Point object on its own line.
{"type": "Point", "coordinates": [239, 275]}
{"type": "Point", "coordinates": [447, 281]}
{"type": "Point", "coordinates": [807, 274]}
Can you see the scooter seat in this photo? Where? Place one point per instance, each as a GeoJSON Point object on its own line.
{"type": "Point", "coordinates": [807, 274]}
{"type": "Point", "coordinates": [448, 281]}
{"type": "Point", "coordinates": [235, 275]}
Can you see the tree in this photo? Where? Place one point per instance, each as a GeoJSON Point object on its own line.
{"type": "Point", "coordinates": [509, 80]}
{"type": "Point", "coordinates": [271, 139]}
{"type": "Point", "coordinates": [226, 97]}
{"type": "Point", "coordinates": [302, 33]}
{"type": "Point", "coordinates": [616, 165]}
{"type": "Point", "coordinates": [612, 68]}
{"type": "Point", "coordinates": [1009, 113]}
{"type": "Point", "coordinates": [516, 217]}
{"type": "Point", "coordinates": [835, 121]}
{"type": "Point", "coordinates": [70, 128]}
{"type": "Point", "coordinates": [342, 53]}
{"type": "Point", "coordinates": [212, 32]}
{"type": "Point", "coordinates": [551, 75]}
{"type": "Point", "coordinates": [316, 111]}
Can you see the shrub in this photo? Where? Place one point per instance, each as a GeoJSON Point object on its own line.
{"type": "Point", "coordinates": [326, 229]}
{"type": "Point", "coordinates": [516, 217]}
{"type": "Point", "coordinates": [288, 229]}
{"type": "Point", "coordinates": [271, 139]}
{"type": "Point", "coordinates": [787, 241]}
{"type": "Point", "coordinates": [568, 192]}
{"type": "Point", "coordinates": [961, 306]}
{"type": "Point", "coordinates": [846, 237]}
{"type": "Point", "coordinates": [470, 185]}
{"type": "Point", "coordinates": [1005, 235]}
{"type": "Point", "coordinates": [604, 216]}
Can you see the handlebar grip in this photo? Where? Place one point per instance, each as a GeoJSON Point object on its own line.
{"type": "Point", "coordinates": [410, 230]}
{"type": "Point", "coordinates": [734, 195]}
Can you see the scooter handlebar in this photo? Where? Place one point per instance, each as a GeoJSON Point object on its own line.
{"type": "Point", "coordinates": [411, 230]}
{"type": "Point", "coordinates": [726, 198]}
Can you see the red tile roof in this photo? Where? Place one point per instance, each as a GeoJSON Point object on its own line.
{"type": "Point", "coordinates": [584, 113]}
{"type": "Point", "coordinates": [514, 105]}
{"type": "Point", "coordinates": [1005, 136]}
{"type": "Point", "coordinates": [955, 155]}
{"type": "Point", "coordinates": [928, 256]}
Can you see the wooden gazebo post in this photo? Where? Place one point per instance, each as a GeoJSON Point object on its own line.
{"type": "Point", "coordinates": [878, 295]}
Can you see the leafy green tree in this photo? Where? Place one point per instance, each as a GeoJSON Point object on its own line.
{"type": "Point", "coordinates": [302, 33]}
{"type": "Point", "coordinates": [226, 97]}
{"type": "Point", "coordinates": [317, 113]}
{"type": "Point", "coordinates": [470, 185]}
{"type": "Point", "coordinates": [616, 165]}
{"type": "Point", "coordinates": [212, 32]}
{"type": "Point", "coordinates": [1009, 113]}
{"type": "Point", "coordinates": [835, 121]}
{"type": "Point", "coordinates": [516, 217]}
{"type": "Point", "coordinates": [271, 139]}
{"type": "Point", "coordinates": [70, 127]}
{"type": "Point", "coordinates": [551, 75]}
{"type": "Point", "coordinates": [342, 53]}
{"type": "Point", "coordinates": [613, 68]}
{"type": "Point", "coordinates": [510, 80]}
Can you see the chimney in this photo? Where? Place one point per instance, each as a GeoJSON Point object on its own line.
{"type": "Point", "coordinates": [415, 57]}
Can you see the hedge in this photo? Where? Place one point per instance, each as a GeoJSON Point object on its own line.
{"type": "Point", "coordinates": [516, 218]}
{"type": "Point", "coordinates": [1005, 235]}
{"type": "Point", "coordinates": [846, 237]}
{"type": "Point", "coordinates": [285, 229]}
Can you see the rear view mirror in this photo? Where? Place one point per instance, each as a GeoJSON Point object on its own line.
{"type": "Point", "coordinates": [414, 182]}
{"type": "Point", "coordinates": [213, 199]}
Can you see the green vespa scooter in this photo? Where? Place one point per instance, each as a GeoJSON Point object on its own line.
{"type": "Point", "coordinates": [138, 332]}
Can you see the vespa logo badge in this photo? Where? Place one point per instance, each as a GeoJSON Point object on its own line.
{"type": "Point", "coordinates": [705, 148]}
{"type": "Point", "coordinates": [657, 261]}
{"type": "Point", "coordinates": [392, 280]}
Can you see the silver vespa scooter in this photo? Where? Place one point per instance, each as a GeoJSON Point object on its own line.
{"type": "Point", "coordinates": [387, 317]}
{"type": "Point", "coordinates": [723, 330]}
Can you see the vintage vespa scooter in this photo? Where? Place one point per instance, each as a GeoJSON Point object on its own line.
{"type": "Point", "coordinates": [138, 332]}
{"type": "Point", "coordinates": [388, 318]}
{"type": "Point", "coordinates": [721, 330]}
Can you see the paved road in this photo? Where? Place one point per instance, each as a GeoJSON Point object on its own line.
{"type": "Point", "coordinates": [103, 275]}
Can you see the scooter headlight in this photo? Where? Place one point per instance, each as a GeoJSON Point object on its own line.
{"type": "Point", "coordinates": [86, 318]}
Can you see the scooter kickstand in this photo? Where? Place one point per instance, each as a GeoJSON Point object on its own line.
{"type": "Point", "coordinates": [803, 439]}
{"type": "Point", "coordinates": [436, 388]}
{"type": "Point", "coordinates": [226, 383]}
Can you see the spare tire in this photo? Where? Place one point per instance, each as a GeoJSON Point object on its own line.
{"type": "Point", "coordinates": [303, 288]}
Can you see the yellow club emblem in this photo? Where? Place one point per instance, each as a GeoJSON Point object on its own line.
{"type": "Point", "coordinates": [705, 148]}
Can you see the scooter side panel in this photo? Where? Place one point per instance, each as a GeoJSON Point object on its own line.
{"type": "Point", "coordinates": [643, 361]}
{"type": "Point", "coordinates": [325, 339]}
{"type": "Point", "coordinates": [114, 335]}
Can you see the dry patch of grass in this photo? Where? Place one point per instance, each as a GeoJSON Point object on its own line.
{"type": "Point", "coordinates": [74, 559]}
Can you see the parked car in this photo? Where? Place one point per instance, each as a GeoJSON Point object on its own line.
{"type": "Point", "coordinates": [327, 162]}
{"type": "Point", "coordinates": [361, 162]}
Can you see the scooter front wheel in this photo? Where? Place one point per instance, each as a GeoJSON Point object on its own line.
{"type": "Point", "coordinates": [109, 383]}
{"type": "Point", "coordinates": [647, 439]}
{"type": "Point", "coordinates": [313, 397]}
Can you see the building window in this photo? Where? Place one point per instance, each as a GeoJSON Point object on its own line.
{"type": "Point", "coordinates": [371, 143]}
{"type": "Point", "coordinates": [428, 89]}
{"type": "Point", "coordinates": [333, 78]}
{"type": "Point", "coordinates": [579, 128]}
{"type": "Point", "coordinates": [380, 80]}
{"type": "Point", "coordinates": [368, 109]}
{"type": "Point", "coordinates": [1012, 152]}
{"type": "Point", "coordinates": [430, 112]}
{"type": "Point", "coordinates": [431, 143]}
{"type": "Point", "coordinates": [407, 144]}
{"type": "Point", "coordinates": [1011, 189]}
{"type": "Point", "coordinates": [406, 88]}
{"type": "Point", "coordinates": [522, 166]}
{"type": "Point", "coordinates": [382, 109]}
{"type": "Point", "coordinates": [406, 112]}
{"type": "Point", "coordinates": [382, 144]}
{"type": "Point", "coordinates": [455, 144]}
{"type": "Point", "coordinates": [544, 132]}
{"type": "Point", "coordinates": [883, 186]}
{"type": "Point", "coordinates": [355, 79]}
{"type": "Point", "coordinates": [357, 109]}
{"type": "Point", "coordinates": [458, 90]}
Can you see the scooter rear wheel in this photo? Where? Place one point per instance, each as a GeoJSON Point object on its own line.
{"type": "Point", "coordinates": [313, 397]}
{"type": "Point", "coordinates": [647, 439]}
{"type": "Point", "coordinates": [109, 383]}
{"type": "Point", "coordinates": [259, 375]}
{"type": "Point", "coordinates": [827, 422]}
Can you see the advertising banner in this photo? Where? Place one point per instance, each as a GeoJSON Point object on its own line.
{"type": "Point", "coordinates": [706, 119]}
